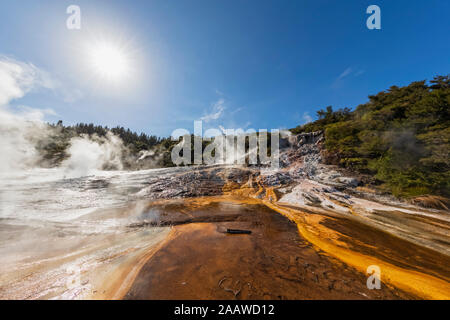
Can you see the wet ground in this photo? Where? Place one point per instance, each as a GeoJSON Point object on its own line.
{"type": "Point", "coordinates": [202, 261]}
{"type": "Point", "coordinates": [125, 235]}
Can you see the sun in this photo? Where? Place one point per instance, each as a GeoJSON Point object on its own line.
{"type": "Point", "coordinates": [109, 61]}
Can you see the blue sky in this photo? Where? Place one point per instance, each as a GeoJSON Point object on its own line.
{"type": "Point", "coordinates": [238, 64]}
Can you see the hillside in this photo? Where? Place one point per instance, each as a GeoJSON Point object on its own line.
{"type": "Point", "coordinates": [137, 151]}
{"type": "Point", "coordinates": [401, 136]}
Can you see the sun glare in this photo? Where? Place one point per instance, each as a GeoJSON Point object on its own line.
{"type": "Point", "coordinates": [109, 61]}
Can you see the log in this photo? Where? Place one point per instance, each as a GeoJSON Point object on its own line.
{"type": "Point", "coordinates": [237, 231]}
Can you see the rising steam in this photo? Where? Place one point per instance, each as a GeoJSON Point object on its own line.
{"type": "Point", "coordinates": [22, 129]}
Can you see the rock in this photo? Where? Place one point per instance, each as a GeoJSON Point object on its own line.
{"type": "Point", "coordinates": [277, 179]}
{"type": "Point", "coordinates": [300, 159]}
{"type": "Point", "coordinates": [352, 182]}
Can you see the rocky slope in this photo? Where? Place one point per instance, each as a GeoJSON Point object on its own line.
{"type": "Point", "coordinates": [334, 212]}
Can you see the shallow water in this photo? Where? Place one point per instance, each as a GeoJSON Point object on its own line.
{"type": "Point", "coordinates": [61, 237]}
{"type": "Point", "coordinates": [68, 237]}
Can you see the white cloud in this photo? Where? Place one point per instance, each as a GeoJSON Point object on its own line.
{"type": "Point", "coordinates": [32, 114]}
{"type": "Point", "coordinates": [70, 96]}
{"type": "Point", "coordinates": [350, 71]}
{"type": "Point", "coordinates": [218, 109]}
{"type": "Point", "coordinates": [223, 115]}
{"type": "Point", "coordinates": [247, 124]}
{"type": "Point", "coordinates": [17, 78]}
{"type": "Point", "coordinates": [235, 111]}
{"type": "Point", "coordinates": [345, 73]}
{"type": "Point", "coordinates": [307, 118]}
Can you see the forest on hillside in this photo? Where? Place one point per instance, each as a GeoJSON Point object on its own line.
{"type": "Point", "coordinates": [138, 151]}
{"type": "Point", "coordinates": [401, 136]}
